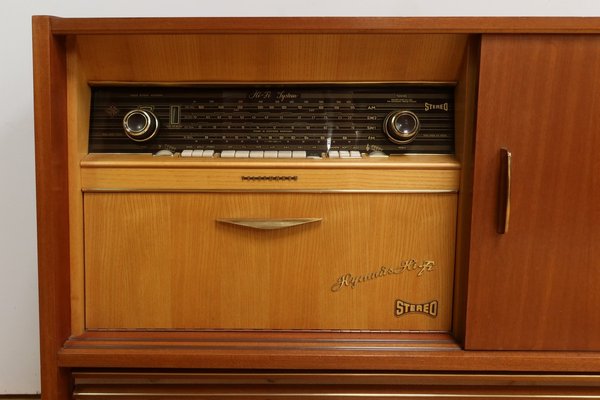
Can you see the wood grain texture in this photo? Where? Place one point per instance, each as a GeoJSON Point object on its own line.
{"type": "Point", "coordinates": [355, 384]}
{"type": "Point", "coordinates": [536, 287]}
{"type": "Point", "coordinates": [470, 25]}
{"type": "Point", "coordinates": [271, 58]}
{"type": "Point", "coordinates": [412, 161]}
{"type": "Point", "coordinates": [466, 106]}
{"type": "Point", "coordinates": [162, 261]}
{"type": "Point", "coordinates": [52, 205]}
{"type": "Point", "coordinates": [321, 378]}
{"type": "Point", "coordinates": [144, 172]}
{"type": "Point", "coordinates": [78, 106]}
{"type": "Point", "coordinates": [327, 390]}
{"type": "Point", "coordinates": [334, 351]}
{"type": "Point", "coordinates": [199, 179]}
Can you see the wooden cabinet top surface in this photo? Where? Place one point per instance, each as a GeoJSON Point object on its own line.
{"type": "Point", "coordinates": [472, 25]}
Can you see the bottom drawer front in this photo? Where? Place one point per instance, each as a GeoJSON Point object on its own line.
{"type": "Point", "coordinates": [332, 385]}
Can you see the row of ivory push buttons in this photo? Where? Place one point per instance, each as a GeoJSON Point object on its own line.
{"type": "Point", "coordinates": [266, 154]}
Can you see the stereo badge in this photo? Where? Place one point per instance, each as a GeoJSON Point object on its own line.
{"type": "Point", "coordinates": [404, 307]}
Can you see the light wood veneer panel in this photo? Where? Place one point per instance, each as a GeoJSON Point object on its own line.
{"type": "Point", "coordinates": [272, 57]}
{"type": "Point", "coordinates": [162, 261]}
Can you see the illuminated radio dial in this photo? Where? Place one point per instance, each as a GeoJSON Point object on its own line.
{"type": "Point", "coordinates": [401, 127]}
{"type": "Point", "coordinates": [140, 125]}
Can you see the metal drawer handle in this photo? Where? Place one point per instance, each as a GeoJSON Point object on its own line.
{"type": "Point", "coordinates": [504, 192]}
{"type": "Point", "coordinates": [255, 223]}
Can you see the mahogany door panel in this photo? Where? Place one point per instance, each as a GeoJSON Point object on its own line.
{"type": "Point", "coordinates": [537, 286]}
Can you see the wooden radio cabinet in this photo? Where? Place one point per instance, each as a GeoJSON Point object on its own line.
{"type": "Point", "coordinates": [470, 274]}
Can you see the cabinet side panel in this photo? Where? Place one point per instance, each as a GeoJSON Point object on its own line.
{"type": "Point", "coordinates": [52, 204]}
{"type": "Point", "coordinates": [536, 287]}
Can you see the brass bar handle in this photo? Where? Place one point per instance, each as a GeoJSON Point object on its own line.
{"type": "Point", "coordinates": [268, 224]}
{"type": "Point", "coordinates": [504, 192]}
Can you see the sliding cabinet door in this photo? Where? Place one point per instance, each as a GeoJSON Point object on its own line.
{"type": "Point", "coordinates": [536, 286]}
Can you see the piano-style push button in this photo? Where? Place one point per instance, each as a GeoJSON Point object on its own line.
{"type": "Point", "coordinates": [270, 154]}
{"type": "Point", "coordinates": [378, 154]}
{"type": "Point", "coordinates": [208, 153]}
{"type": "Point", "coordinates": [164, 153]}
{"type": "Point", "coordinates": [257, 154]}
{"type": "Point", "coordinates": [344, 154]}
{"type": "Point", "coordinates": [197, 153]}
{"type": "Point", "coordinates": [284, 154]}
{"type": "Point", "coordinates": [242, 154]}
{"type": "Point", "coordinates": [334, 154]}
{"type": "Point", "coordinates": [299, 154]}
{"type": "Point", "coordinates": [228, 154]}
{"type": "Point", "coordinates": [355, 154]}
{"type": "Point", "coordinates": [187, 153]}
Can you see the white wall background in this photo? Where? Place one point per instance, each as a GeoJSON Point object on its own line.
{"type": "Point", "coordinates": [19, 360]}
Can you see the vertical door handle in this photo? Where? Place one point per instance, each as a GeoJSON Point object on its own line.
{"type": "Point", "coordinates": [504, 192]}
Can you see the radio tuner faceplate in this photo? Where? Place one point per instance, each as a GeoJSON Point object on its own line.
{"type": "Point", "coordinates": [310, 119]}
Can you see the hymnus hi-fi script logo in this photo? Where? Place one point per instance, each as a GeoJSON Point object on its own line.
{"type": "Point", "coordinates": [404, 307]}
{"type": "Point", "coordinates": [418, 268]}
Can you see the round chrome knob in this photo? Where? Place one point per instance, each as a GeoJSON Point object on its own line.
{"type": "Point", "coordinates": [401, 127]}
{"type": "Point", "coordinates": [140, 125]}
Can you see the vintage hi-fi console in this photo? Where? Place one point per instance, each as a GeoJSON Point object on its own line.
{"type": "Point", "coordinates": [276, 208]}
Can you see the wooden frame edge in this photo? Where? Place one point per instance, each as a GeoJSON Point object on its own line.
{"type": "Point", "coordinates": [442, 361]}
{"type": "Point", "coordinates": [471, 25]}
{"type": "Point", "coordinates": [52, 205]}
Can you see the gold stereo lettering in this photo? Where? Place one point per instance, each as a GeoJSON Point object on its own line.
{"type": "Point", "coordinates": [404, 307]}
{"type": "Point", "coordinates": [407, 266]}
{"type": "Point", "coordinates": [429, 106]}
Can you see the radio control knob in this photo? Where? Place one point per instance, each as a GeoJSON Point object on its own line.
{"type": "Point", "coordinates": [140, 125]}
{"type": "Point", "coordinates": [401, 127]}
